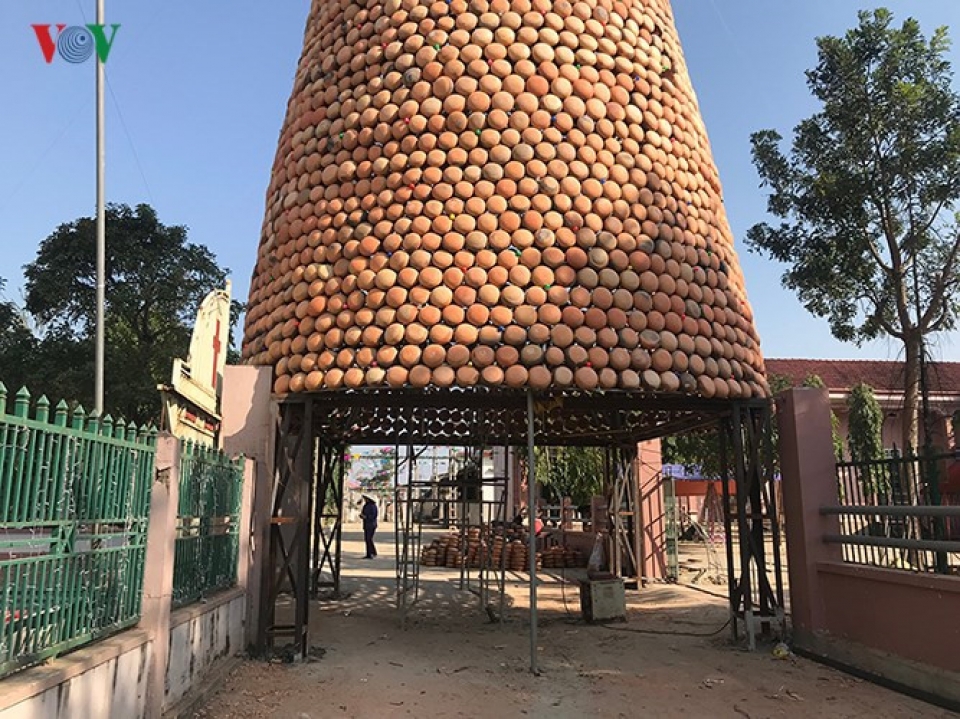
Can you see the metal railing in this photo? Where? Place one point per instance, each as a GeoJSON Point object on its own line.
{"type": "Point", "coordinates": [74, 505]}
{"type": "Point", "coordinates": [208, 523]}
{"type": "Point", "coordinates": [894, 514]}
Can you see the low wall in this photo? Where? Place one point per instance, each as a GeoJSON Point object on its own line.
{"type": "Point", "coordinates": [891, 624]}
{"type": "Point", "coordinates": [200, 636]}
{"type": "Point", "coordinates": [107, 679]}
{"type": "Point", "coordinates": [159, 666]}
{"type": "Point", "coordinates": [902, 626]}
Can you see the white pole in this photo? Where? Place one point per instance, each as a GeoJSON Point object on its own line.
{"type": "Point", "coordinates": [101, 226]}
{"type": "Point", "coordinates": [532, 517]}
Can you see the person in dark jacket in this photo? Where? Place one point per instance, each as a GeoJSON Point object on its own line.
{"type": "Point", "coordinates": [369, 514]}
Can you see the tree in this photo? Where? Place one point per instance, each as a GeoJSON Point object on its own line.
{"type": "Point", "coordinates": [700, 451]}
{"type": "Point", "coordinates": [575, 472]}
{"type": "Point", "coordinates": [865, 431]}
{"type": "Point", "coordinates": [813, 380]}
{"type": "Point", "coordinates": [697, 452]}
{"type": "Point", "coordinates": [155, 280]}
{"type": "Point", "coordinates": [867, 194]}
{"type": "Point", "coordinates": [17, 346]}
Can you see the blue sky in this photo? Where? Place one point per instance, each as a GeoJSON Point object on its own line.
{"type": "Point", "coordinates": [198, 91]}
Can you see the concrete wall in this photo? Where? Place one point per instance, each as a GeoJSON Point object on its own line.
{"type": "Point", "coordinates": [248, 428]}
{"type": "Point", "coordinates": [201, 635]}
{"type": "Point", "coordinates": [111, 679]}
{"type": "Point", "coordinates": [107, 680]}
{"type": "Point", "coordinates": [911, 615]}
{"type": "Point", "coordinates": [893, 624]}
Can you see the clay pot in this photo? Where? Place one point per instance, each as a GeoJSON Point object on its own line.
{"type": "Point", "coordinates": [507, 194]}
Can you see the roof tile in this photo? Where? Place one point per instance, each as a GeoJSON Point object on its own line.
{"type": "Point", "coordinates": [882, 375]}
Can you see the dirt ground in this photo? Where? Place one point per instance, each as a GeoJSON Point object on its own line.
{"type": "Point", "coordinates": [672, 658]}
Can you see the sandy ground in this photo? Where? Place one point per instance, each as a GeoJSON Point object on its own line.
{"type": "Point", "coordinates": [673, 658]}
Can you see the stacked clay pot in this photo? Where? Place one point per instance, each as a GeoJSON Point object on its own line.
{"type": "Point", "coordinates": [508, 193]}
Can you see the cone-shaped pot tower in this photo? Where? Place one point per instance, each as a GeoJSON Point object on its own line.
{"type": "Point", "coordinates": [513, 193]}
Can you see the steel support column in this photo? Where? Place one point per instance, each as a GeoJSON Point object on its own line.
{"type": "Point", "coordinates": [328, 518]}
{"type": "Point", "coordinates": [746, 434]}
{"type": "Point", "coordinates": [288, 555]}
{"type": "Point", "coordinates": [626, 561]}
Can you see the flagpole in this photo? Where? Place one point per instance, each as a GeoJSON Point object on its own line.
{"type": "Point", "coordinates": [101, 224]}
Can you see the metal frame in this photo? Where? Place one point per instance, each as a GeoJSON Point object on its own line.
{"type": "Point", "coordinates": [895, 503]}
{"type": "Point", "coordinates": [406, 544]}
{"type": "Point", "coordinates": [446, 417]}
{"type": "Point", "coordinates": [481, 416]}
{"type": "Point", "coordinates": [327, 519]}
{"type": "Point", "coordinates": [624, 514]}
{"type": "Point", "coordinates": [456, 491]}
{"type": "Point", "coordinates": [288, 562]}
{"type": "Point", "coordinates": [745, 433]}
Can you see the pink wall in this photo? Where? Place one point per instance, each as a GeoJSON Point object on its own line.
{"type": "Point", "coordinates": [808, 472]}
{"type": "Point", "coordinates": [914, 616]}
{"type": "Point", "coordinates": [652, 517]}
{"type": "Point", "coordinates": [893, 623]}
{"type": "Point", "coordinates": [247, 428]}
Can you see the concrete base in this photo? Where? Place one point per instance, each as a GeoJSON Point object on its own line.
{"type": "Point", "coordinates": [106, 680]}
{"type": "Point", "coordinates": [923, 681]}
{"type": "Point", "coordinates": [202, 635]}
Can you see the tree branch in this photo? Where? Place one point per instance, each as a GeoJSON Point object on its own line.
{"type": "Point", "coordinates": [938, 293]}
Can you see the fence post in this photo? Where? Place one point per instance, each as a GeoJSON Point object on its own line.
{"type": "Point", "coordinates": [158, 573]}
{"type": "Point", "coordinates": [249, 424]}
{"type": "Point", "coordinates": [245, 548]}
{"type": "Point", "coordinates": [809, 478]}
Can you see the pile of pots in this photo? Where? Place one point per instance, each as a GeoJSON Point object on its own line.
{"type": "Point", "coordinates": [502, 193]}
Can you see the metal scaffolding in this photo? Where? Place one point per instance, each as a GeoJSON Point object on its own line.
{"type": "Point", "coordinates": [327, 519]}
{"type": "Point", "coordinates": [464, 498]}
{"type": "Point", "coordinates": [746, 456]}
{"type": "Point", "coordinates": [624, 512]}
{"type": "Point", "coordinates": [313, 430]}
{"type": "Point", "coordinates": [287, 567]}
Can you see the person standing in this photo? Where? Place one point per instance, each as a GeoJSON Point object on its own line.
{"type": "Point", "coordinates": [369, 514]}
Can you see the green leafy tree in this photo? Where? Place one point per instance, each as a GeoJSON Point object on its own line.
{"type": "Point", "coordinates": [865, 433]}
{"type": "Point", "coordinates": [575, 472]}
{"type": "Point", "coordinates": [155, 280]}
{"type": "Point", "coordinates": [18, 346]}
{"type": "Point", "coordinates": [867, 193]}
{"type": "Point", "coordinates": [700, 451]}
{"type": "Point", "coordinates": [865, 437]}
{"type": "Point", "coordinates": [697, 452]}
{"type": "Point", "coordinates": [813, 380]}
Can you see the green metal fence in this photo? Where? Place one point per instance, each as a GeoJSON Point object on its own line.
{"type": "Point", "coordinates": [74, 503]}
{"type": "Point", "coordinates": [208, 524]}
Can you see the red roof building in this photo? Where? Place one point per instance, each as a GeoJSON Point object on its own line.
{"type": "Point", "coordinates": [887, 380]}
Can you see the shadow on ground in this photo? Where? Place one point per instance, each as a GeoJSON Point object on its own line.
{"type": "Point", "coordinates": [674, 657]}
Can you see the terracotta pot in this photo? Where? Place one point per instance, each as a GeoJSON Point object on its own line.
{"type": "Point", "coordinates": [526, 179]}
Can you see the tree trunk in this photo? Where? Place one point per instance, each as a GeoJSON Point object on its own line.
{"type": "Point", "coordinates": [911, 396]}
